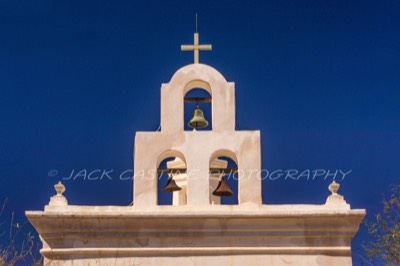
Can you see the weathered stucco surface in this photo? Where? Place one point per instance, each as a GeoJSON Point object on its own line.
{"type": "Point", "coordinates": [227, 235]}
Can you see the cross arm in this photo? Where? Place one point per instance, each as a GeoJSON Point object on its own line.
{"type": "Point", "coordinates": [205, 47]}
{"type": "Point", "coordinates": [187, 47]}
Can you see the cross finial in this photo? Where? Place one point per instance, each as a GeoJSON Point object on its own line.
{"type": "Point", "coordinates": [196, 47]}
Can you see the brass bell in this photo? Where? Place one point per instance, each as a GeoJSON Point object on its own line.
{"type": "Point", "coordinates": [222, 189]}
{"type": "Point", "coordinates": [171, 186]}
{"type": "Point", "coordinates": [198, 120]}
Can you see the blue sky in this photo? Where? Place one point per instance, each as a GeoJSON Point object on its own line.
{"type": "Point", "coordinates": [320, 79]}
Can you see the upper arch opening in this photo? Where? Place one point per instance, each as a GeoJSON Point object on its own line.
{"type": "Point", "coordinates": [195, 84]}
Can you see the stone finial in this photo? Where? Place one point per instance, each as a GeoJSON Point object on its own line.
{"type": "Point", "coordinates": [60, 188]}
{"type": "Point", "coordinates": [334, 187]}
{"type": "Point", "coordinates": [335, 198]}
{"type": "Point", "coordinates": [59, 199]}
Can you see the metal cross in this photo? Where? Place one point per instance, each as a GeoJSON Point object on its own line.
{"type": "Point", "coordinates": [196, 47]}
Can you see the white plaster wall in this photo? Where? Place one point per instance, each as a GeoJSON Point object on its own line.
{"type": "Point", "coordinates": [232, 260]}
{"type": "Point", "coordinates": [297, 235]}
{"type": "Point", "coordinates": [198, 148]}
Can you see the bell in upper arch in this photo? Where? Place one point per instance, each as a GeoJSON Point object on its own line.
{"type": "Point", "coordinates": [171, 186]}
{"type": "Point", "coordinates": [198, 120]}
{"type": "Point", "coordinates": [223, 189]}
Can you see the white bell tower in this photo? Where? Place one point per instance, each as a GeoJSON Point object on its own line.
{"type": "Point", "coordinates": [196, 229]}
{"type": "Point", "coordinates": [197, 149]}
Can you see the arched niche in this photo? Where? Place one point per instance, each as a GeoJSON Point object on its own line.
{"type": "Point", "coordinates": [174, 163]}
{"type": "Point", "coordinates": [197, 76]}
{"type": "Point", "coordinates": [170, 153]}
{"type": "Point", "coordinates": [198, 83]}
{"type": "Point", "coordinates": [224, 164]}
{"type": "Point", "coordinates": [201, 97]}
{"type": "Point", "coordinates": [224, 153]}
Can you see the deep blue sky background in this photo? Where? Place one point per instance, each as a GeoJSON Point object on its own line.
{"type": "Point", "coordinates": [320, 79]}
